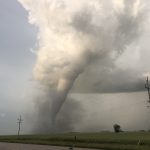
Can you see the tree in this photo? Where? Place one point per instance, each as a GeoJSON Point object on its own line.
{"type": "Point", "coordinates": [117, 128]}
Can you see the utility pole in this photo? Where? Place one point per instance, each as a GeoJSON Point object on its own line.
{"type": "Point", "coordinates": [147, 86]}
{"type": "Point", "coordinates": [19, 123]}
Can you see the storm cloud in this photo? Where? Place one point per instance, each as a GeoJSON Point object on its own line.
{"type": "Point", "coordinates": [80, 45]}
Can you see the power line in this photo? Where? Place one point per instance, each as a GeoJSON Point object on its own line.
{"type": "Point", "coordinates": [147, 86]}
{"type": "Point", "coordinates": [19, 123]}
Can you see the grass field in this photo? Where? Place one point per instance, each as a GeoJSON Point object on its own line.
{"type": "Point", "coordinates": [104, 140]}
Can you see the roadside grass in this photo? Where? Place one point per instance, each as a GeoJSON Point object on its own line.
{"type": "Point", "coordinates": [103, 140]}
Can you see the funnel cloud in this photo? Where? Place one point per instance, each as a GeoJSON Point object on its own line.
{"type": "Point", "coordinates": [79, 46]}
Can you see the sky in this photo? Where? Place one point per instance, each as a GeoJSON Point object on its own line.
{"type": "Point", "coordinates": [16, 61]}
{"type": "Point", "coordinates": [114, 94]}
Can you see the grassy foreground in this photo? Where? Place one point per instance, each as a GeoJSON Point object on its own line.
{"type": "Point", "coordinates": [104, 140]}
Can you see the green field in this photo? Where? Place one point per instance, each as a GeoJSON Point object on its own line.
{"type": "Point", "coordinates": [104, 140]}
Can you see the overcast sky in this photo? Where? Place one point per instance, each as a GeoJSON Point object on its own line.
{"type": "Point", "coordinates": [18, 38]}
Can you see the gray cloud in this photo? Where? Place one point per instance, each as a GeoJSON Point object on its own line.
{"type": "Point", "coordinates": [94, 40]}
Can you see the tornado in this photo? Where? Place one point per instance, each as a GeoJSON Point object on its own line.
{"type": "Point", "coordinates": [73, 35]}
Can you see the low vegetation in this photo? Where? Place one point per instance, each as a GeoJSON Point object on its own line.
{"type": "Point", "coordinates": [103, 140]}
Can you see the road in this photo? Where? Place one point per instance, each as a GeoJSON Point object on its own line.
{"type": "Point", "coordinates": [16, 146]}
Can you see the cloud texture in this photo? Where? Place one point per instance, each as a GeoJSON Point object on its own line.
{"type": "Point", "coordinates": [80, 45]}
